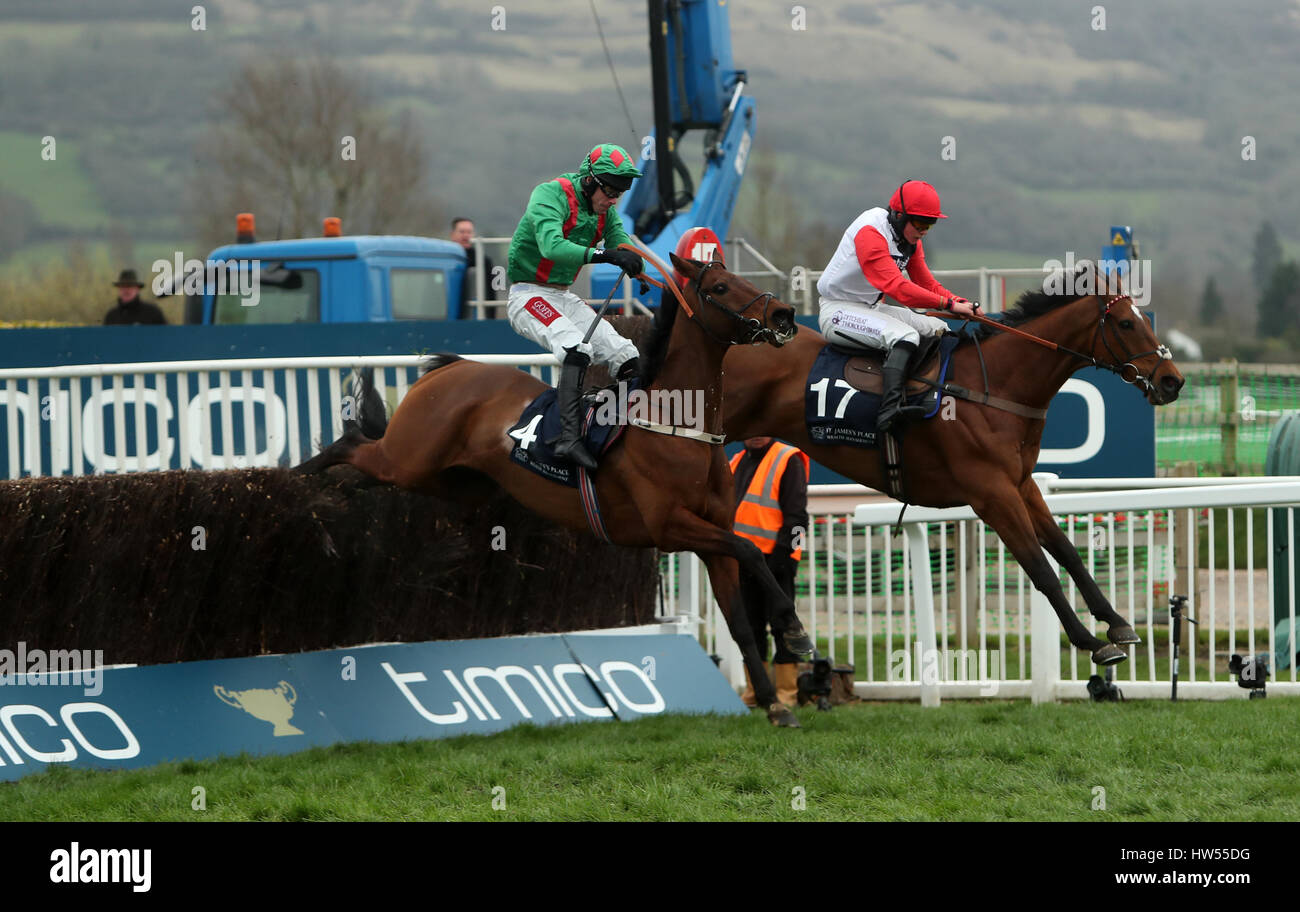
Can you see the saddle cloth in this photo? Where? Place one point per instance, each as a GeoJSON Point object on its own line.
{"type": "Point", "coordinates": [540, 422]}
{"type": "Point", "coordinates": [842, 396]}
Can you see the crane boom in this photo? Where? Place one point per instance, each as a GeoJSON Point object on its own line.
{"type": "Point", "coordinates": [695, 87]}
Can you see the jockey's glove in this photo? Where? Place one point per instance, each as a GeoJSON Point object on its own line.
{"type": "Point", "coordinates": [951, 305]}
{"type": "Point", "coordinates": [625, 260]}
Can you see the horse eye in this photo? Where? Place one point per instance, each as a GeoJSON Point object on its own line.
{"type": "Point", "coordinates": [719, 288]}
{"type": "Point", "coordinates": [1125, 324]}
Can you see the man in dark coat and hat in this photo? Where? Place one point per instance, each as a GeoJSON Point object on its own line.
{"type": "Point", "coordinates": [130, 308]}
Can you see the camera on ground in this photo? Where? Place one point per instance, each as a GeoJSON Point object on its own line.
{"type": "Point", "coordinates": [1251, 673]}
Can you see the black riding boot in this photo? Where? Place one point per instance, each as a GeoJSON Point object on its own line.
{"type": "Point", "coordinates": [569, 396]}
{"type": "Point", "coordinates": [892, 394]}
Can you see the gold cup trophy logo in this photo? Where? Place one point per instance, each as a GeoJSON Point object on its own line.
{"type": "Point", "coordinates": [274, 705]}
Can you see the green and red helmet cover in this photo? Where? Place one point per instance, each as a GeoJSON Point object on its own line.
{"type": "Point", "coordinates": [611, 163]}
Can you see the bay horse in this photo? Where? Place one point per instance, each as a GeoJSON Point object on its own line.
{"type": "Point", "coordinates": [985, 456]}
{"type": "Point", "coordinates": [448, 436]}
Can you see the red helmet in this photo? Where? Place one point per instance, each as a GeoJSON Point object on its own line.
{"type": "Point", "coordinates": [914, 197]}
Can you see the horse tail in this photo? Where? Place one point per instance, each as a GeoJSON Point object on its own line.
{"type": "Point", "coordinates": [372, 416]}
{"type": "Point", "coordinates": [368, 423]}
{"type": "Point", "coordinates": [441, 359]}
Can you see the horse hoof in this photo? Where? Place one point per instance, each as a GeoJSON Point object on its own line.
{"type": "Point", "coordinates": [1124, 635]}
{"type": "Point", "coordinates": [798, 642]}
{"type": "Point", "coordinates": [1109, 655]}
{"type": "Point", "coordinates": [780, 715]}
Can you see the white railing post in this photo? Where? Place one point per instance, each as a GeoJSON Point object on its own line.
{"type": "Point", "coordinates": [927, 654]}
{"type": "Point", "coordinates": [11, 422]}
{"type": "Point", "coordinates": [1045, 637]}
{"type": "Point", "coordinates": [690, 586]}
{"type": "Point", "coordinates": [732, 664]}
{"type": "Point", "coordinates": [1044, 630]}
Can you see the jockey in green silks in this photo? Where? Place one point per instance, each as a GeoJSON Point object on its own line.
{"type": "Point", "coordinates": [557, 236]}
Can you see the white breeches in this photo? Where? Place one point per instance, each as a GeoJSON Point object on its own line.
{"type": "Point", "coordinates": [556, 319]}
{"type": "Point", "coordinates": [881, 326]}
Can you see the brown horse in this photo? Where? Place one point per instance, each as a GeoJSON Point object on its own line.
{"type": "Point", "coordinates": [985, 456]}
{"type": "Point", "coordinates": [448, 436]}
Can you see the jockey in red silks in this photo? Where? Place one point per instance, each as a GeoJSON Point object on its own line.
{"type": "Point", "coordinates": [557, 236]}
{"type": "Point", "coordinates": [880, 256]}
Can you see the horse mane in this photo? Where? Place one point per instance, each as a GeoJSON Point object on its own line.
{"type": "Point", "coordinates": [656, 346]}
{"type": "Point", "coordinates": [441, 359]}
{"type": "Point", "coordinates": [1028, 306]}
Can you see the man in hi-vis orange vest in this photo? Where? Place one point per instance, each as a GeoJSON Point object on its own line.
{"type": "Point", "coordinates": [772, 512]}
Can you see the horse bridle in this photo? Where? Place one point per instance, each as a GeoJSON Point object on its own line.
{"type": "Point", "coordinates": [1125, 367]}
{"type": "Point", "coordinates": [1140, 380]}
{"type": "Point", "coordinates": [755, 331]}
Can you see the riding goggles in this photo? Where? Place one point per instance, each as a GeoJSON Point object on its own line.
{"type": "Point", "coordinates": [610, 191]}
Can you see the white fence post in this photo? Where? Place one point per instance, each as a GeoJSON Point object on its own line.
{"type": "Point", "coordinates": [690, 585]}
{"type": "Point", "coordinates": [1045, 637]}
{"type": "Point", "coordinates": [927, 655]}
{"type": "Point", "coordinates": [1044, 629]}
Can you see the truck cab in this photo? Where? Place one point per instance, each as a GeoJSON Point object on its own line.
{"type": "Point", "coordinates": [358, 279]}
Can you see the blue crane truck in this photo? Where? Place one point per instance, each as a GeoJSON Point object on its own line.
{"type": "Point", "coordinates": [380, 278]}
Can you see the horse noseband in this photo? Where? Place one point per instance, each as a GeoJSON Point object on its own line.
{"type": "Point", "coordinates": [752, 330]}
{"type": "Point", "coordinates": [1122, 365]}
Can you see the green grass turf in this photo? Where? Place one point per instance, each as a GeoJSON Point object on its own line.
{"type": "Point", "coordinates": [963, 761]}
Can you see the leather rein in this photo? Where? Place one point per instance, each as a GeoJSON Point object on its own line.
{"type": "Point", "coordinates": [1125, 366]}
{"type": "Point", "coordinates": [753, 331]}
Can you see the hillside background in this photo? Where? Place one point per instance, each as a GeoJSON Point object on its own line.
{"type": "Point", "coordinates": [1060, 130]}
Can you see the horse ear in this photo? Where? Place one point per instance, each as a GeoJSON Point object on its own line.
{"type": "Point", "coordinates": [1116, 282]}
{"type": "Point", "coordinates": [686, 268]}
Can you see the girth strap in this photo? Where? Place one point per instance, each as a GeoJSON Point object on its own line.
{"type": "Point", "coordinates": [988, 399]}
